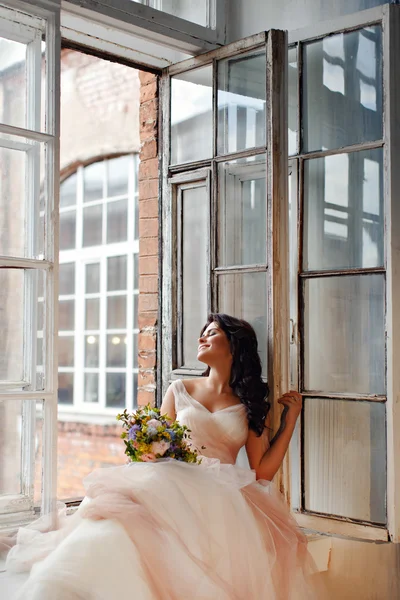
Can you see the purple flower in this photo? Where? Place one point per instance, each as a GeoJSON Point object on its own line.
{"type": "Point", "coordinates": [132, 432]}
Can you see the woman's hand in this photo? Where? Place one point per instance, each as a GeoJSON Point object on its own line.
{"type": "Point", "coordinates": [292, 402]}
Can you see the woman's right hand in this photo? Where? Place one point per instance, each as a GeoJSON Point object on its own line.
{"type": "Point", "coordinates": [293, 403]}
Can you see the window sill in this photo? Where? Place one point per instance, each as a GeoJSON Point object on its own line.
{"type": "Point", "coordinates": [320, 547]}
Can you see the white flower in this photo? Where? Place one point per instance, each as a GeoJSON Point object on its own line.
{"type": "Point", "coordinates": [160, 447]}
{"type": "Point", "coordinates": [153, 423]}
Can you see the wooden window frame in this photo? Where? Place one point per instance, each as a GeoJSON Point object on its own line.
{"type": "Point", "coordinates": [388, 16]}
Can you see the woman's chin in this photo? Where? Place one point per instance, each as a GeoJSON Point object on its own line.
{"type": "Point", "coordinates": [202, 358]}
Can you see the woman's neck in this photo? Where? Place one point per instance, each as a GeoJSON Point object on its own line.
{"type": "Point", "coordinates": [219, 379]}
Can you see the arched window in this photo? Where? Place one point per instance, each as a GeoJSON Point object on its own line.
{"type": "Point", "coordinates": [98, 290]}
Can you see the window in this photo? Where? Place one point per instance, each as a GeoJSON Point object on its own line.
{"type": "Point", "coordinates": [98, 326]}
{"type": "Point", "coordinates": [220, 196]}
{"type": "Point", "coordinates": [28, 184]}
{"type": "Point", "coordinates": [338, 281]}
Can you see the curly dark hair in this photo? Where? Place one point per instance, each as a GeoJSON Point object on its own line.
{"type": "Point", "coordinates": [245, 380]}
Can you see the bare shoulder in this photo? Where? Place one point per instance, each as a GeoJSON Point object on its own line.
{"type": "Point", "coordinates": [168, 403]}
{"type": "Point", "coordinates": [193, 384]}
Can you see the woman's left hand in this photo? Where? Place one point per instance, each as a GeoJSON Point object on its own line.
{"type": "Point", "coordinates": [293, 403]}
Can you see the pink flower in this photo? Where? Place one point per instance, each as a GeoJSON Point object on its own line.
{"type": "Point", "coordinates": [135, 445]}
{"type": "Point", "coordinates": [153, 423]}
{"type": "Point", "coordinates": [160, 447]}
{"type": "Point", "coordinates": [149, 457]}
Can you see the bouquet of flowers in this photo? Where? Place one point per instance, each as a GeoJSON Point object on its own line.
{"type": "Point", "coordinates": [149, 435]}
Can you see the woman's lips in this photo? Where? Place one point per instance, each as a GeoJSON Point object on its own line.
{"type": "Point", "coordinates": [202, 347]}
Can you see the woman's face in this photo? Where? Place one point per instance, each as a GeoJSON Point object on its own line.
{"type": "Point", "coordinates": [213, 345]}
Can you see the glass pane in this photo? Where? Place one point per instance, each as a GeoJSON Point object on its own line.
{"type": "Point", "coordinates": [293, 93]}
{"type": "Point", "coordinates": [117, 221]}
{"type": "Point", "coordinates": [242, 212]}
{"type": "Point", "coordinates": [91, 388]}
{"type": "Point", "coordinates": [345, 459]}
{"type": "Point", "coordinates": [67, 279]}
{"type": "Point", "coordinates": [13, 437]}
{"type": "Point", "coordinates": [136, 271]}
{"type": "Point", "coordinates": [68, 191]}
{"type": "Point", "coordinates": [67, 230]}
{"type": "Point", "coordinates": [191, 115]}
{"type": "Point", "coordinates": [344, 334]}
{"type": "Point", "coordinates": [116, 350]}
{"type": "Point", "coordinates": [241, 102]}
{"type": "Point", "coordinates": [191, 10]}
{"type": "Point", "coordinates": [93, 180]}
{"type": "Point", "coordinates": [13, 83]}
{"type": "Point", "coordinates": [66, 351]}
{"type": "Point", "coordinates": [92, 278]}
{"type": "Point", "coordinates": [115, 390]}
{"type": "Point", "coordinates": [37, 493]}
{"type": "Point", "coordinates": [92, 225]}
{"type": "Point", "coordinates": [135, 389]}
{"type": "Point", "coordinates": [66, 315]}
{"type": "Point", "coordinates": [12, 201]}
{"type": "Point", "coordinates": [116, 273]}
{"type": "Point", "coordinates": [92, 320]}
{"type": "Point", "coordinates": [245, 296]}
{"type": "Point", "coordinates": [12, 289]}
{"type": "Point", "coordinates": [118, 176]}
{"type": "Point", "coordinates": [92, 351]}
{"type": "Point", "coordinates": [343, 211]}
{"type": "Point", "coordinates": [194, 261]}
{"type": "Point", "coordinates": [65, 388]}
{"type": "Point", "coordinates": [116, 312]}
{"type": "Point", "coordinates": [342, 89]}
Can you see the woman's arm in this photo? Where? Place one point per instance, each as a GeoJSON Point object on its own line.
{"type": "Point", "coordinates": [168, 404]}
{"type": "Point", "coordinates": [264, 459]}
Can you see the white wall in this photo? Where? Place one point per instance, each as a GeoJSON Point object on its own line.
{"type": "Point", "coordinates": [247, 17]}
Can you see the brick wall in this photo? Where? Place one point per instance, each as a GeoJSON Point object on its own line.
{"type": "Point", "coordinates": [148, 238]}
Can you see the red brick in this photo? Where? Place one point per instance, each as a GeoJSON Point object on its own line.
{"type": "Point", "coordinates": [146, 378]}
{"type": "Point", "coordinates": [148, 189]}
{"type": "Point", "coordinates": [148, 111]}
{"type": "Point", "coordinates": [147, 318]}
{"type": "Point", "coordinates": [148, 150]}
{"type": "Point", "coordinates": [148, 169]}
{"type": "Point", "coordinates": [149, 91]}
{"type": "Point", "coordinates": [146, 78]}
{"type": "Point", "coordinates": [147, 360]}
{"type": "Point", "coordinates": [146, 342]}
{"type": "Point", "coordinates": [148, 227]}
{"type": "Point", "coordinates": [148, 208]}
{"type": "Point", "coordinates": [148, 129]}
{"type": "Point", "coordinates": [148, 284]}
{"type": "Point", "coordinates": [148, 246]}
{"type": "Point", "coordinates": [145, 397]}
{"type": "Point", "coordinates": [148, 265]}
{"type": "Point", "coordinates": [148, 302]}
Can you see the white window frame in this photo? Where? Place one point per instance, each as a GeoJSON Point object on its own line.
{"type": "Point", "coordinates": [80, 256]}
{"type": "Point", "coordinates": [276, 193]}
{"type": "Point", "coordinates": [389, 17]}
{"type": "Point", "coordinates": [24, 18]}
{"type": "Point", "coordinates": [154, 26]}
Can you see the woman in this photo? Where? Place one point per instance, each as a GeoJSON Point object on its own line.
{"type": "Point", "coordinates": [171, 530]}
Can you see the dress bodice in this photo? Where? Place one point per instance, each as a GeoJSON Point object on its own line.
{"type": "Point", "coordinates": [218, 434]}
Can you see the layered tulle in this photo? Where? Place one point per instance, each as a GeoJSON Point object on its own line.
{"type": "Point", "coordinates": [171, 531]}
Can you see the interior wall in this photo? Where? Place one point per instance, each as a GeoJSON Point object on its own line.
{"type": "Point", "coordinates": [289, 14]}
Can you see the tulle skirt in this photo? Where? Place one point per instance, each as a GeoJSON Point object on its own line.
{"type": "Point", "coordinates": [169, 531]}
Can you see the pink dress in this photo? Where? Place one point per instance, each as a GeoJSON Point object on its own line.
{"type": "Point", "coordinates": [173, 531]}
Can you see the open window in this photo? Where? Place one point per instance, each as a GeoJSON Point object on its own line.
{"type": "Point", "coordinates": [29, 142]}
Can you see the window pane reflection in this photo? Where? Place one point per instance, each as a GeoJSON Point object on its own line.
{"type": "Point", "coordinates": [65, 388]}
{"type": "Point", "coordinates": [343, 439]}
{"type": "Point", "coordinates": [242, 212]}
{"type": "Point", "coordinates": [344, 334]}
{"type": "Point", "coordinates": [244, 296]}
{"type": "Point", "coordinates": [342, 89]}
{"type": "Point", "coordinates": [116, 350]}
{"type": "Point", "coordinates": [92, 225]}
{"type": "Point", "coordinates": [115, 390]}
{"type": "Point", "coordinates": [241, 102]}
{"type": "Point", "coordinates": [343, 211]}
{"type": "Point", "coordinates": [194, 269]}
{"type": "Point", "coordinates": [91, 388]}
{"type": "Point", "coordinates": [293, 89]}
{"type": "Point", "coordinates": [191, 116]}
